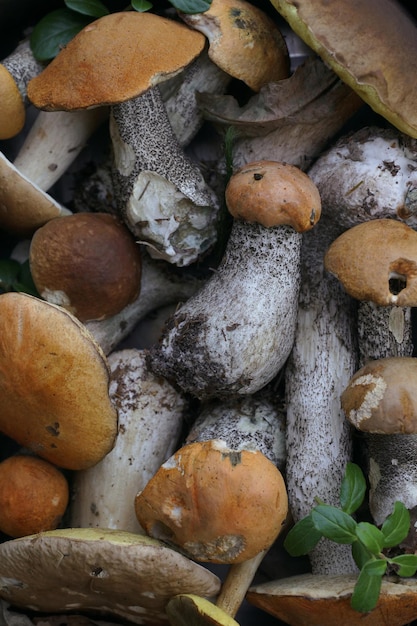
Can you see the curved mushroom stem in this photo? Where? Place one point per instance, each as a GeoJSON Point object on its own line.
{"type": "Point", "coordinates": [161, 194]}
{"type": "Point", "coordinates": [236, 584]}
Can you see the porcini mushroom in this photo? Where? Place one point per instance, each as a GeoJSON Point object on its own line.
{"type": "Point", "coordinates": [161, 194]}
{"type": "Point", "coordinates": [235, 334]}
{"type": "Point", "coordinates": [54, 384]}
{"type": "Point", "coordinates": [88, 263]}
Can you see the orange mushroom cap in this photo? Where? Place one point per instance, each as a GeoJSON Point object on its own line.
{"type": "Point", "coordinates": [12, 108]}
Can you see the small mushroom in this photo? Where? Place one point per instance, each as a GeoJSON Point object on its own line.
{"type": "Point", "coordinates": [88, 263]}
{"type": "Point", "coordinates": [235, 334]}
{"type": "Point", "coordinates": [98, 571]}
{"type": "Point", "coordinates": [34, 495]}
{"type": "Point", "coordinates": [54, 384]}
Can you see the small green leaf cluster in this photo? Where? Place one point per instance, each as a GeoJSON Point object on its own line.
{"type": "Point", "coordinates": [15, 276]}
{"type": "Point", "coordinates": [367, 540]}
{"type": "Point", "coordinates": [58, 27]}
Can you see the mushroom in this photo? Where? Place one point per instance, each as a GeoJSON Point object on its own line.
{"type": "Point", "coordinates": [364, 44]}
{"type": "Point", "coordinates": [161, 194]}
{"type": "Point", "coordinates": [235, 334]}
{"type": "Point", "coordinates": [54, 384]}
{"type": "Point", "coordinates": [88, 263]}
{"type": "Point", "coordinates": [34, 495]}
{"type": "Point", "coordinates": [102, 572]}
{"type": "Point", "coordinates": [150, 414]}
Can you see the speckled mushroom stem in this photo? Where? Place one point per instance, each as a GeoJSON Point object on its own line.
{"type": "Point", "coordinates": [23, 66]}
{"type": "Point", "coordinates": [103, 496]}
{"type": "Point", "coordinates": [161, 194]}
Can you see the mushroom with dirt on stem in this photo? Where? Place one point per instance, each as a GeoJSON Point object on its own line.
{"type": "Point", "coordinates": [235, 334]}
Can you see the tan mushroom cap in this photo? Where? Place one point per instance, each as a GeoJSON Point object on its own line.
{"type": "Point", "coordinates": [244, 41]}
{"type": "Point", "coordinates": [24, 207]}
{"type": "Point", "coordinates": [372, 46]}
{"type": "Point", "coordinates": [272, 193]}
{"type": "Point", "coordinates": [113, 59]}
{"type": "Point", "coordinates": [217, 505]}
{"type": "Point", "coordinates": [381, 397]}
{"type": "Point", "coordinates": [370, 257]}
{"type": "Point", "coordinates": [88, 263]}
{"type": "Point", "coordinates": [12, 108]}
{"type": "Point", "coordinates": [186, 609]}
{"type": "Point", "coordinates": [109, 573]}
{"type": "Point", "coordinates": [54, 384]}
{"type": "Point", "coordinates": [34, 495]}
{"type": "Point", "coordinates": [319, 600]}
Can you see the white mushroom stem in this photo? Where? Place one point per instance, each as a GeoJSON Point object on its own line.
{"type": "Point", "coordinates": [150, 422]}
{"type": "Point", "coordinates": [54, 141]}
{"type": "Point", "coordinates": [235, 334]}
{"type": "Point", "coordinates": [161, 285]}
{"type": "Point", "coordinates": [23, 66]}
{"type": "Point", "coordinates": [161, 194]}
{"type": "Point", "coordinates": [236, 584]}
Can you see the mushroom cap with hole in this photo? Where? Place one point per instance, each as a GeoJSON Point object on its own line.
{"type": "Point", "coordinates": [216, 504]}
{"type": "Point", "coordinates": [319, 600]}
{"type": "Point", "coordinates": [376, 261]}
{"type": "Point", "coordinates": [34, 495]}
{"type": "Point", "coordinates": [115, 58]}
{"type": "Point", "coordinates": [272, 193]}
{"type": "Point", "coordinates": [24, 207]}
{"type": "Point", "coordinates": [88, 263]}
{"type": "Point", "coordinates": [187, 608]}
{"type": "Point", "coordinates": [12, 108]}
{"type": "Point", "coordinates": [372, 46]}
{"type": "Point", "coordinates": [54, 384]}
{"type": "Point", "coordinates": [381, 396]}
{"type": "Point", "coordinates": [99, 571]}
{"type": "Point", "coordinates": [243, 41]}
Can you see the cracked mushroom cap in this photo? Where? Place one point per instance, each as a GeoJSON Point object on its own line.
{"type": "Point", "coordinates": [244, 41]}
{"type": "Point", "coordinates": [365, 44]}
{"type": "Point", "coordinates": [54, 384]}
{"type": "Point", "coordinates": [216, 504]}
{"type": "Point", "coordinates": [115, 58]}
{"type": "Point", "coordinates": [12, 108]}
{"type": "Point", "coordinates": [99, 571]}
{"type": "Point", "coordinates": [272, 193]}
{"type": "Point", "coordinates": [88, 263]}
{"type": "Point", "coordinates": [376, 261]}
{"type": "Point", "coordinates": [381, 397]}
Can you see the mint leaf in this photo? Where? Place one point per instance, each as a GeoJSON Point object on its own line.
{"type": "Point", "coordinates": [302, 537]}
{"type": "Point", "coordinates": [407, 564]}
{"type": "Point", "coordinates": [361, 554]}
{"type": "Point", "coordinates": [54, 31]}
{"type": "Point", "coordinates": [95, 8]}
{"type": "Point", "coordinates": [191, 6]}
{"type": "Point", "coordinates": [141, 5]}
{"type": "Point", "coordinates": [353, 488]}
{"type": "Point", "coordinates": [396, 526]}
{"type": "Point", "coordinates": [371, 537]}
{"type": "Point", "coordinates": [9, 272]}
{"type": "Point", "coordinates": [368, 586]}
{"type": "Point", "coordinates": [334, 524]}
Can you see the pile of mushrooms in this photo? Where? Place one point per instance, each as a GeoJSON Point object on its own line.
{"type": "Point", "coordinates": [260, 216]}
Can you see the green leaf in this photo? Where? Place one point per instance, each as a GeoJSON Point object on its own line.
{"type": "Point", "coordinates": [396, 526]}
{"type": "Point", "coordinates": [371, 537]}
{"type": "Point", "coordinates": [302, 537]}
{"type": "Point", "coordinates": [95, 8]}
{"type": "Point", "coordinates": [191, 6]}
{"type": "Point", "coordinates": [353, 488]}
{"type": "Point", "coordinates": [54, 31]}
{"type": "Point", "coordinates": [407, 564]}
{"type": "Point", "coordinates": [9, 272]}
{"type": "Point", "coordinates": [141, 5]}
{"type": "Point", "coordinates": [368, 586]}
{"type": "Point", "coordinates": [334, 523]}
{"type": "Point", "coordinates": [360, 554]}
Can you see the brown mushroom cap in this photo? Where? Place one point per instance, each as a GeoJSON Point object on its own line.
{"type": "Point", "coordinates": [109, 573]}
{"type": "Point", "coordinates": [33, 495]}
{"type": "Point", "coordinates": [372, 46]}
{"type": "Point", "coordinates": [244, 41]}
{"type": "Point", "coordinates": [54, 384]}
{"type": "Point", "coordinates": [88, 263]}
{"type": "Point", "coordinates": [12, 109]}
{"type": "Point", "coordinates": [113, 59]}
{"type": "Point", "coordinates": [215, 504]}
{"type": "Point", "coordinates": [273, 194]}
{"type": "Point", "coordinates": [381, 397]}
{"type": "Point", "coordinates": [368, 256]}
